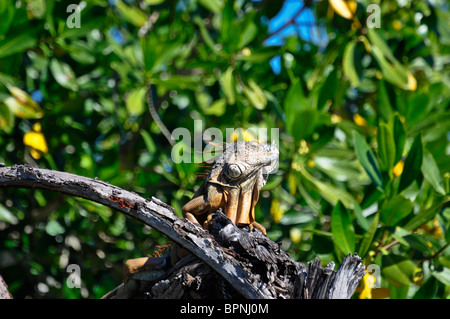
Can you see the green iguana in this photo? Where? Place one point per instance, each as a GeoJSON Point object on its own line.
{"type": "Point", "coordinates": [233, 184]}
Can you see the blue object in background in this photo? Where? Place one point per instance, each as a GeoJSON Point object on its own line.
{"type": "Point", "coordinates": [303, 25]}
{"type": "Point", "coordinates": [37, 96]}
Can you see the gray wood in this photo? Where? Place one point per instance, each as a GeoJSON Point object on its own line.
{"type": "Point", "coordinates": [4, 292]}
{"type": "Point", "coordinates": [245, 263]}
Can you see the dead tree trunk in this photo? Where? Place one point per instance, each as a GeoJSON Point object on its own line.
{"type": "Point", "coordinates": [226, 262]}
{"type": "Point", "coordinates": [4, 293]}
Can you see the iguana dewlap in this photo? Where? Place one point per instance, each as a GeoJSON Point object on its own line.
{"type": "Point", "coordinates": [234, 184]}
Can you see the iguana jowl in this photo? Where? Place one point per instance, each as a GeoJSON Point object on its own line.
{"type": "Point", "coordinates": [234, 184]}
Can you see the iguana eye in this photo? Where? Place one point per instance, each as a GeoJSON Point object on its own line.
{"type": "Point", "coordinates": [234, 171]}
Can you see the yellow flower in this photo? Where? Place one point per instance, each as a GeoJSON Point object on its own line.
{"type": "Point", "coordinates": [246, 51]}
{"type": "Point", "coordinates": [397, 25]}
{"type": "Point", "coordinates": [418, 276]}
{"type": "Point", "coordinates": [276, 210]}
{"type": "Point", "coordinates": [398, 168]}
{"type": "Point", "coordinates": [292, 182]}
{"type": "Point", "coordinates": [345, 8]}
{"type": "Point", "coordinates": [304, 148]}
{"type": "Point", "coordinates": [335, 118]}
{"type": "Point", "coordinates": [36, 142]}
{"type": "Point", "coordinates": [359, 120]}
{"type": "Point", "coordinates": [296, 235]}
{"type": "Point", "coordinates": [412, 82]}
{"type": "Point", "coordinates": [367, 283]}
{"type": "Point", "coordinates": [239, 135]}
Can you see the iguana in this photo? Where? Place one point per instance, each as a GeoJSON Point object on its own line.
{"type": "Point", "coordinates": [233, 184]}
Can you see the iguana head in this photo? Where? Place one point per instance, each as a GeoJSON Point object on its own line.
{"type": "Point", "coordinates": [243, 161]}
{"type": "Point", "coordinates": [240, 172]}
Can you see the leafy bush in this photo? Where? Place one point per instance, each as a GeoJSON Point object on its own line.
{"type": "Point", "coordinates": [363, 115]}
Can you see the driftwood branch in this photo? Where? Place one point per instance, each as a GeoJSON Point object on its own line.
{"type": "Point", "coordinates": [245, 263]}
{"type": "Point", "coordinates": [4, 293]}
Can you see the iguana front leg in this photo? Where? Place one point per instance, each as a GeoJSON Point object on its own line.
{"type": "Point", "coordinates": [238, 205]}
{"type": "Point", "coordinates": [198, 209]}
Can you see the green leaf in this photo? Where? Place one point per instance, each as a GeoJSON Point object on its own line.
{"type": "Point", "coordinates": [229, 31]}
{"type": "Point", "coordinates": [384, 102]}
{"type": "Point", "coordinates": [428, 290]}
{"type": "Point", "coordinates": [214, 6]}
{"type": "Point", "coordinates": [416, 108]}
{"type": "Point", "coordinates": [443, 17]}
{"type": "Point", "coordinates": [443, 276]}
{"type": "Point", "coordinates": [431, 172]}
{"type": "Point", "coordinates": [154, 2]}
{"type": "Point", "coordinates": [369, 235]}
{"type": "Point", "coordinates": [149, 143]}
{"type": "Point", "coordinates": [398, 269]}
{"type": "Point", "coordinates": [248, 34]}
{"type": "Point", "coordinates": [135, 101]}
{"type": "Point", "coordinates": [157, 53]}
{"type": "Point", "coordinates": [134, 15]}
{"type": "Point", "coordinates": [80, 51]}
{"type": "Point", "coordinates": [54, 228]}
{"type": "Point", "coordinates": [7, 216]}
{"type": "Point", "coordinates": [340, 169]}
{"type": "Point", "coordinates": [294, 103]}
{"type": "Point", "coordinates": [258, 56]}
{"type": "Point", "coordinates": [419, 243]}
{"type": "Point", "coordinates": [305, 124]}
{"type": "Point", "coordinates": [399, 133]}
{"type": "Point", "coordinates": [7, 13]}
{"type": "Point", "coordinates": [396, 209]}
{"type": "Point", "coordinates": [328, 93]}
{"type": "Point", "coordinates": [342, 229]}
{"type": "Point", "coordinates": [314, 205]}
{"type": "Point", "coordinates": [330, 192]}
{"type": "Point", "coordinates": [255, 95]}
{"type": "Point", "coordinates": [425, 215]}
{"type": "Point", "coordinates": [376, 40]}
{"type": "Point", "coordinates": [393, 71]}
{"type": "Point", "coordinates": [22, 105]}
{"type": "Point", "coordinates": [63, 74]}
{"type": "Point", "coordinates": [176, 82]}
{"type": "Point", "coordinates": [227, 83]}
{"type": "Point", "coordinates": [386, 147]}
{"type": "Point", "coordinates": [17, 44]}
{"type": "Point", "coordinates": [297, 218]}
{"type": "Point", "coordinates": [205, 33]}
{"type": "Point", "coordinates": [348, 64]}
{"type": "Point", "coordinates": [413, 163]}
{"type": "Point", "coordinates": [360, 218]}
{"type": "Point", "coordinates": [6, 119]}
{"type": "Point", "coordinates": [393, 74]}
{"type": "Point", "coordinates": [217, 108]}
{"type": "Point", "coordinates": [367, 159]}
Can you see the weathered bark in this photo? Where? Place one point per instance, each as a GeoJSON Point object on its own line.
{"type": "Point", "coordinates": [4, 292]}
{"type": "Point", "coordinates": [240, 263]}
